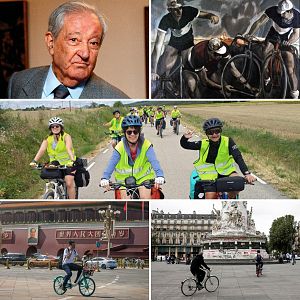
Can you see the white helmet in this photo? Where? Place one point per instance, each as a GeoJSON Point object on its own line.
{"type": "Point", "coordinates": [284, 5]}
{"type": "Point", "coordinates": [57, 121]}
{"type": "Point", "coordinates": [175, 106]}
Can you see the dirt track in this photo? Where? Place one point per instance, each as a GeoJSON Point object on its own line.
{"type": "Point", "coordinates": [279, 118]}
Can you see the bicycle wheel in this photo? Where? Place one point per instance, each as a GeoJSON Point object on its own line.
{"type": "Point", "coordinates": [274, 77]}
{"type": "Point", "coordinates": [58, 285]}
{"type": "Point", "coordinates": [177, 128]}
{"type": "Point", "coordinates": [211, 283]}
{"type": "Point", "coordinates": [189, 287]}
{"type": "Point", "coordinates": [248, 68]}
{"type": "Point", "coordinates": [49, 195]}
{"type": "Point", "coordinates": [87, 286]}
{"type": "Point", "coordinates": [161, 131]}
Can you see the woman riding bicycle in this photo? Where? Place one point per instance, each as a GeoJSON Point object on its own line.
{"type": "Point", "coordinates": [133, 156]}
{"type": "Point", "coordinates": [115, 128]}
{"type": "Point", "coordinates": [159, 117]}
{"type": "Point", "coordinates": [217, 155]}
{"type": "Point", "coordinates": [59, 147]}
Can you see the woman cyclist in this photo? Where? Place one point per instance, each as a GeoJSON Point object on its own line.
{"type": "Point", "coordinates": [133, 156]}
{"type": "Point", "coordinates": [115, 128]}
{"type": "Point", "coordinates": [217, 155]}
{"type": "Point", "coordinates": [59, 147]}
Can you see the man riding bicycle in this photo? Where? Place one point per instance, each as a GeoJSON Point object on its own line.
{"type": "Point", "coordinates": [286, 30]}
{"type": "Point", "coordinates": [115, 128]}
{"type": "Point", "coordinates": [259, 260]}
{"type": "Point", "coordinates": [134, 156]}
{"type": "Point", "coordinates": [159, 119]}
{"type": "Point", "coordinates": [217, 155]}
{"type": "Point", "coordinates": [60, 150]}
{"type": "Point", "coordinates": [175, 115]}
{"type": "Point", "coordinates": [68, 265]}
{"type": "Point", "coordinates": [197, 270]}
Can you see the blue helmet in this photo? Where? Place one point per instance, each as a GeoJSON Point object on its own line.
{"type": "Point", "coordinates": [212, 123]}
{"type": "Point", "coordinates": [131, 121]}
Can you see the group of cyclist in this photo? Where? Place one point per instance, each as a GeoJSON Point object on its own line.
{"type": "Point", "coordinates": [204, 62]}
{"type": "Point", "coordinates": [134, 155]}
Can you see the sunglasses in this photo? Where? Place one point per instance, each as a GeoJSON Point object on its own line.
{"type": "Point", "coordinates": [130, 132]}
{"type": "Point", "coordinates": [213, 131]}
{"type": "Point", "coordinates": [54, 126]}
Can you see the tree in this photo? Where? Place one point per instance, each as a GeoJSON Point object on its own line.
{"type": "Point", "coordinates": [282, 234]}
{"type": "Point", "coordinates": [118, 104]}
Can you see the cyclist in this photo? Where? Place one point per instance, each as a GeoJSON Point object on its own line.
{"type": "Point", "coordinates": [203, 69]}
{"type": "Point", "coordinates": [175, 115]}
{"type": "Point", "coordinates": [151, 114]}
{"type": "Point", "coordinates": [217, 155]}
{"type": "Point", "coordinates": [68, 265]}
{"type": "Point", "coordinates": [259, 260]}
{"type": "Point", "coordinates": [179, 22]}
{"type": "Point", "coordinates": [59, 147]}
{"type": "Point", "coordinates": [134, 156]}
{"type": "Point", "coordinates": [159, 117]}
{"type": "Point", "coordinates": [115, 128]}
{"type": "Point", "coordinates": [286, 30]}
{"type": "Point", "coordinates": [197, 270]}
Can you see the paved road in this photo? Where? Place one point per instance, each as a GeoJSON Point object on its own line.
{"type": "Point", "coordinates": [18, 283]}
{"type": "Point", "coordinates": [236, 282]}
{"type": "Point", "coordinates": [177, 164]}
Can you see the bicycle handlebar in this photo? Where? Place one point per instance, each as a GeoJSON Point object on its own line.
{"type": "Point", "coordinates": [115, 185]}
{"type": "Point", "coordinates": [47, 166]}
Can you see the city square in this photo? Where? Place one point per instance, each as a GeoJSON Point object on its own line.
{"type": "Point", "coordinates": [37, 283]}
{"type": "Point", "coordinates": [279, 281]}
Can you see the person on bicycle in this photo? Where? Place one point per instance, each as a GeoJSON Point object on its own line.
{"type": "Point", "coordinates": [259, 260]}
{"type": "Point", "coordinates": [115, 128]}
{"type": "Point", "coordinates": [217, 155]}
{"type": "Point", "coordinates": [68, 265]}
{"type": "Point", "coordinates": [179, 22]}
{"type": "Point", "coordinates": [197, 268]}
{"type": "Point", "coordinates": [175, 115]}
{"type": "Point", "coordinates": [286, 31]}
{"type": "Point", "coordinates": [159, 118]}
{"type": "Point", "coordinates": [203, 69]}
{"type": "Point", "coordinates": [134, 156]}
{"type": "Point", "coordinates": [59, 147]}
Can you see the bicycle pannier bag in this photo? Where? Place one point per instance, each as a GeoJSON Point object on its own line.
{"type": "Point", "coordinates": [51, 174]}
{"type": "Point", "coordinates": [171, 122]}
{"type": "Point", "coordinates": [82, 177]}
{"type": "Point", "coordinates": [227, 184]}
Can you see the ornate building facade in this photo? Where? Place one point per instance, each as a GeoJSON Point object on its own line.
{"type": "Point", "coordinates": [46, 227]}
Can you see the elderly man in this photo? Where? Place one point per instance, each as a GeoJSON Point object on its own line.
{"type": "Point", "coordinates": [74, 37]}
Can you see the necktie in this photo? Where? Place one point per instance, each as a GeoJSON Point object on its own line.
{"type": "Point", "coordinates": [61, 92]}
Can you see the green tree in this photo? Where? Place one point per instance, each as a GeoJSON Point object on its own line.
{"type": "Point", "coordinates": [282, 234]}
{"type": "Point", "coordinates": [118, 104]}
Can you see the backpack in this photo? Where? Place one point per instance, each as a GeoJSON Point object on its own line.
{"type": "Point", "coordinates": [60, 260]}
{"type": "Point", "coordinates": [82, 177]}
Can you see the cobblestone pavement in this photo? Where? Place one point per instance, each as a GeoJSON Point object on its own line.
{"type": "Point", "coordinates": [18, 283]}
{"type": "Point", "coordinates": [278, 282]}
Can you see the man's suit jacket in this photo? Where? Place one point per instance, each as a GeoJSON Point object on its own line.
{"type": "Point", "coordinates": [29, 83]}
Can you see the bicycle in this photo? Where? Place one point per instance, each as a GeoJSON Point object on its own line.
{"type": "Point", "coordinates": [114, 134]}
{"type": "Point", "coordinates": [160, 127]}
{"type": "Point", "coordinates": [85, 284]}
{"type": "Point", "coordinates": [55, 187]}
{"type": "Point", "coordinates": [247, 66]}
{"type": "Point", "coordinates": [132, 188]}
{"type": "Point", "coordinates": [175, 125]}
{"type": "Point", "coordinates": [259, 270]}
{"type": "Point", "coordinates": [151, 120]}
{"type": "Point", "coordinates": [190, 285]}
{"type": "Point", "coordinates": [221, 186]}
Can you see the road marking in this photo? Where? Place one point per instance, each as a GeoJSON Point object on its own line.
{"type": "Point", "coordinates": [69, 297]}
{"type": "Point", "coordinates": [107, 284]}
{"type": "Point", "coordinates": [105, 151]}
{"type": "Point", "coordinates": [258, 179]}
{"type": "Point", "coordinates": [90, 166]}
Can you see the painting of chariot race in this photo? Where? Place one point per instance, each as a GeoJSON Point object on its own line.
{"type": "Point", "coordinates": [235, 49]}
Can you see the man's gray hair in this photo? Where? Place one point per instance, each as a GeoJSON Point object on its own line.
{"type": "Point", "coordinates": [56, 19]}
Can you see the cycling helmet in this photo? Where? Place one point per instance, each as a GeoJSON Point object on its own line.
{"type": "Point", "coordinates": [216, 45]}
{"type": "Point", "coordinates": [175, 106]}
{"type": "Point", "coordinates": [212, 123]}
{"type": "Point", "coordinates": [284, 6]}
{"type": "Point", "coordinates": [174, 3]}
{"type": "Point", "coordinates": [116, 111]}
{"type": "Point", "coordinates": [57, 121]}
{"type": "Point", "coordinates": [131, 121]}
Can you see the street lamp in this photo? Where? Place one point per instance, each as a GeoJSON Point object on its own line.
{"type": "Point", "coordinates": [109, 215]}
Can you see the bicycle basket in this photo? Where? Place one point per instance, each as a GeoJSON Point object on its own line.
{"type": "Point", "coordinates": [51, 174]}
{"type": "Point", "coordinates": [227, 184]}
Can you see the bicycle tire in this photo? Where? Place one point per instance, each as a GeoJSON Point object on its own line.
{"type": "Point", "coordinates": [76, 192]}
{"type": "Point", "coordinates": [49, 195]}
{"type": "Point", "coordinates": [58, 285]}
{"type": "Point", "coordinates": [211, 283]}
{"type": "Point", "coordinates": [189, 287]}
{"type": "Point", "coordinates": [177, 128]}
{"type": "Point", "coordinates": [278, 77]}
{"type": "Point", "coordinates": [249, 68]}
{"type": "Point", "coordinates": [160, 131]}
{"type": "Point", "coordinates": [87, 286]}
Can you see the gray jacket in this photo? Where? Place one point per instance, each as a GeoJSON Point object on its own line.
{"type": "Point", "coordinates": [29, 83]}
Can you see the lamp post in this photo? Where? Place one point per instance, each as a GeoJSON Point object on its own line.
{"type": "Point", "coordinates": [109, 215]}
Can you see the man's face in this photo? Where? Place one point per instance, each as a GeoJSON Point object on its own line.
{"type": "Point", "coordinates": [32, 233]}
{"type": "Point", "coordinates": [287, 15]}
{"type": "Point", "coordinates": [72, 246]}
{"type": "Point", "coordinates": [117, 115]}
{"type": "Point", "coordinates": [74, 52]}
{"type": "Point", "coordinates": [176, 12]}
